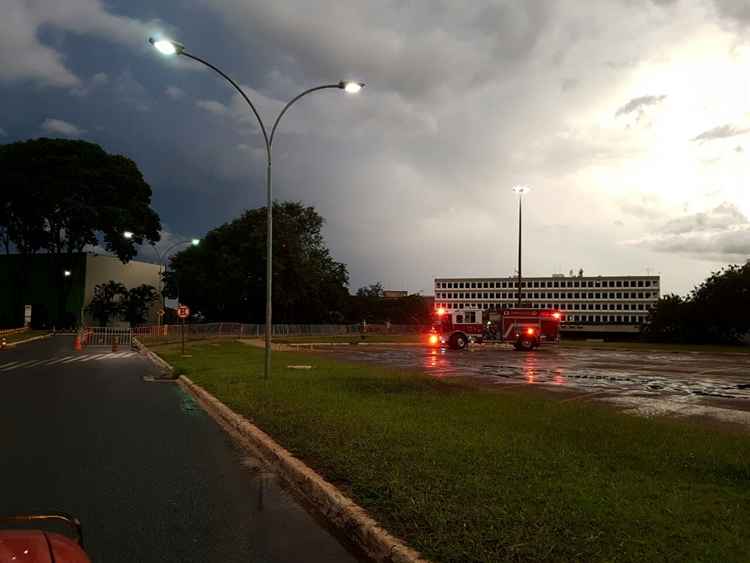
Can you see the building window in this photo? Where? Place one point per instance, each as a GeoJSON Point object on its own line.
{"type": "Point", "coordinates": [485, 285]}
{"type": "Point", "coordinates": [619, 295]}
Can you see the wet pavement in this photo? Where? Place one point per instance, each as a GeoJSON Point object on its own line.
{"type": "Point", "coordinates": [645, 382]}
{"type": "Point", "coordinates": [150, 475]}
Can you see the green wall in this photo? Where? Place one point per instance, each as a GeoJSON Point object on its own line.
{"type": "Point", "coordinates": [38, 280]}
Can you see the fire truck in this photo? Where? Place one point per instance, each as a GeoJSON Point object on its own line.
{"type": "Point", "coordinates": [525, 328]}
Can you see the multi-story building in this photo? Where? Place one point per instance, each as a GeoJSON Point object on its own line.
{"type": "Point", "coordinates": [587, 302]}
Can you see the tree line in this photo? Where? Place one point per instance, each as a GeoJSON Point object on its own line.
{"type": "Point", "coordinates": [716, 311]}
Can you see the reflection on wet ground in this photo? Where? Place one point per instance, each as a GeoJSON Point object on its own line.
{"type": "Point", "coordinates": [647, 382]}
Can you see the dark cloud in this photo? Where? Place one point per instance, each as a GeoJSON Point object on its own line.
{"type": "Point", "coordinates": [721, 132]}
{"type": "Point", "coordinates": [722, 233]}
{"type": "Point", "coordinates": [735, 12]}
{"type": "Point", "coordinates": [637, 104]}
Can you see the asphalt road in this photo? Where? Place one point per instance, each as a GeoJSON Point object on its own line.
{"type": "Point", "coordinates": [150, 475]}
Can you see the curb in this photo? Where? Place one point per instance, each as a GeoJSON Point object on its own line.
{"type": "Point", "coordinates": [338, 509]}
{"type": "Point", "coordinates": [165, 368]}
{"type": "Point", "coordinates": [40, 337]}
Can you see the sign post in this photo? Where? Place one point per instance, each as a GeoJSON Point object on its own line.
{"type": "Point", "coordinates": [183, 311]}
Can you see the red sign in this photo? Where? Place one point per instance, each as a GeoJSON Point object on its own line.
{"type": "Point", "coordinates": [183, 311]}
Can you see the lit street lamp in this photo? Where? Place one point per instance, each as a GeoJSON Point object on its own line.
{"type": "Point", "coordinates": [161, 258]}
{"type": "Point", "coordinates": [169, 47]}
{"type": "Point", "coordinates": [521, 191]}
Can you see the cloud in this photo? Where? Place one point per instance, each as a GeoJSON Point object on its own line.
{"type": "Point", "coordinates": [735, 12]}
{"type": "Point", "coordinates": [212, 106]}
{"type": "Point", "coordinates": [97, 80]}
{"type": "Point", "coordinates": [722, 233]}
{"type": "Point", "coordinates": [174, 92]}
{"type": "Point", "coordinates": [3, 133]}
{"type": "Point", "coordinates": [23, 56]}
{"type": "Point", "coordinates": [65, 128]}
{"type": "Point", "coordinates": [130, 91]}
{"type": "Point", "coordinates": [639, 104]}
{"type": "Point", "coordinates": [721, 132]}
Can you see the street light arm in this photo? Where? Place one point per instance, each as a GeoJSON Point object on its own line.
{"type": "Point", "coordinates": [242, 93]}
{"type": "Point", "coordinates": [175, 245]}
{"type": "Point", "coordinates": [291, 102]}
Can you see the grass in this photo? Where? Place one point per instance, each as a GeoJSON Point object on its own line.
{"type": "Point", "coordinates": [467, 475]}
{"type": "Point", "coordinates": [18, 336]}
{"type": "Point", "coordinates": [339, 339]}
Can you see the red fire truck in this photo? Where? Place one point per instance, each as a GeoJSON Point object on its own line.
{"type": "Point", "coordinates": [526, 329]}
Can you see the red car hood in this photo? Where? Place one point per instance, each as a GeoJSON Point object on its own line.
{"type": "Point", "coordinates": [34, 546]}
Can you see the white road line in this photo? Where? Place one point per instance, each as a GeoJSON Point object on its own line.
{"type": "Point", "coordinates": [73, 359]}
{"type": "Point", "coordinates": [21, 365]}
{"type": "Point", "coordinates": [58, 360]}
{"type": "Point", "coordinates": [31, 364]}
{"type": "Point", "coordinates": [10, 366]}
{"type": "Point", "coordinates": [93, 357]}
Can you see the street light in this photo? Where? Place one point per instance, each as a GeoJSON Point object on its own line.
{"type": "Point", "coordinates": [170, 47]}
{"type": "Point", "coordinates": [161, 261]}
{"type": "Point", "coordinates": [67, 273]}
{"type": "Point", "coordinates": [521, 191]}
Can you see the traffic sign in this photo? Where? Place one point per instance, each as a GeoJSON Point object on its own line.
{"type": "Point", "coordinates": [183, 311]}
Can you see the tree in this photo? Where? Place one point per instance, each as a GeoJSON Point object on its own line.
{"type": "Point", "coordinates": [718, 310]}
{"type": "Point", "coordinates": [137, 303]}
{"type": "Point", "coordinates": [58, 196]}
{"type": "Point", "coordinates": [224, 278]}
{"type": "Point", "coordinates": [108, 302]}
{"type": "Point", "coordinates": [374, 290]}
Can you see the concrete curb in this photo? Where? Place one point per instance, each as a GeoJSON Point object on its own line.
{"type": "Point", "coordinates": [165, 368]}
{"type": "Point", "coordinates": [40, 337]}
{"type": "Point", "coordinates": [339, 510]}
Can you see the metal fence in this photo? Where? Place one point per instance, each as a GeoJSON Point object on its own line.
{"type": "Point", "coordinates": [242, 330]}
{"type": "Point", "coordinates": [9, 331]}
{"type": "Point", "coordinates": [106, 336]}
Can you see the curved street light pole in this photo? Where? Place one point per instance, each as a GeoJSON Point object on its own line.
{"type": "Point", "coordinates": [161, 258]}
{"type": "Point", "coordinates": [169, 47]}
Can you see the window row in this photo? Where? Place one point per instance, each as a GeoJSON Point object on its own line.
{"type": "Point", "coordinates": [560, 306]}
{"type": "Point", "coordinates": [548, 295]}
{"type": "Point", "coordinates": [547, 284]}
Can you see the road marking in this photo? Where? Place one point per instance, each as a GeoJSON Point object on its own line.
{"type": "Point", "coordinates": [58, 360]}
{"type": "Point", "coordinates": [9, 366]}
{"type": "Point", "coordinates": [73, 359]}
{"type": "Point", "coordinates": [22, 364]}
{"type": "Point", "coordinates": [93, 357]}
{"type": "Point", "coordinates": [31, 364]}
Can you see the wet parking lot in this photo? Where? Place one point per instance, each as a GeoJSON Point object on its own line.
{"type": "Point", "coordinates": [648, 383]}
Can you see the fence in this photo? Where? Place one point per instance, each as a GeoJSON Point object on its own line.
{"type": "Point", "coordinates": [106, 336]}
{"type": "Point", "coordinates": [241, 330]}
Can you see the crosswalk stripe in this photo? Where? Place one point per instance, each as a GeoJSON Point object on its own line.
{"type": "Point", "coordinates": [73, 359]}
{"type": "Point", "coordinates": [21, 365]}
{"type": "Point", "coordinates": [93, 357]}
{"type": "Point", "coordinates": [31, 364]}
{"type": "Point", "coordinates": [58, 360]}
{"type": "Point", "coordinates": [9, 366]}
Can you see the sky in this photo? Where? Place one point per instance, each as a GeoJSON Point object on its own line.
{"type": "Point", "coordinates": [628, 119]}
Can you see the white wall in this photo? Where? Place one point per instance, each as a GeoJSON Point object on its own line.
{"type": "Point", "coordinates": [101, 269]}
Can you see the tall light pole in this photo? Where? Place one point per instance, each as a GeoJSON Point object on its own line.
{"type": "Point", "coordinates": [520, 190]}
{"type": "Point", "coordinates": [169, 47]}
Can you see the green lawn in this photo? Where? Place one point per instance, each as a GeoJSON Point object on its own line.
{"type": "Point", "coordinates": [353, 338]}
{"type": "Point", "coordinates": [16, 337]}
{"type": "Point", "coordinates": [469, 475]}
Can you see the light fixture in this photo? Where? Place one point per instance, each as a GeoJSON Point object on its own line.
{"type": "Point", "coordinates": [167, 46]}
{"type": "Point", "coordinates": [127, 234]}
{"type": "Point", "coordinates": [520, 190]}
{"type": "Point", "coordinates": [351, 87]}
{"type": "Point", "coordinates": [195, 241]}
{"type": "Point", "coordinates": [67, 273]}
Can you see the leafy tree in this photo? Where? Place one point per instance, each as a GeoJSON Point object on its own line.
{"type": "Point", "coordinates": [58, 196]}
{"type": "Point", "coordinates": [718, 310]}
{"type": "Point", "coordinates": [137, 303]}
{"type": "Point", "coordinates": [224, 278]}
{"type": "Point", "coordinates": [108, 302]}
{"type": "Point", "coordinates": [374, 290]}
